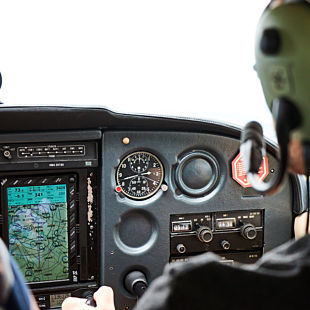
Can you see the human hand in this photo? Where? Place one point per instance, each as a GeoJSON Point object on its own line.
{"type": "Point", "coordinates": [104, 299]}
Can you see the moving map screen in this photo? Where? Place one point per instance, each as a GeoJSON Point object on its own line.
{"type": "Point", "coordinates": [38, 231]}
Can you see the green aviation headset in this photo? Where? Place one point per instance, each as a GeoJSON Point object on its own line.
{"type": "Point", "coordinates": [282, 52]}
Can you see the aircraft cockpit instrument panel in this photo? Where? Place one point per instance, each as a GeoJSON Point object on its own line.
{"type": "Point", "coordinates": [84, 203]}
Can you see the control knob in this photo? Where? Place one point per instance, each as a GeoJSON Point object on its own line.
{"type": "Point", "coordinates": [181, 248]}
{"type": "Point", "coordinates": [136, 283]}
{"type": "Point", "coordinates": [248, 231]}
{"type": "Point", "coordinates": [7, 154]}
{"type": "Point", "coordinates": [204, 234]}
{"type": "Point", "coordinates": [225, 245]}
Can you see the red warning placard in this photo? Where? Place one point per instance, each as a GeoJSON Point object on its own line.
{"type": "Point", "coordinates": [239, 175]}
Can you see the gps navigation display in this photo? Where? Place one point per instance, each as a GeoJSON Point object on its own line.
{"type": "Point", "coordinates": [38, 231]}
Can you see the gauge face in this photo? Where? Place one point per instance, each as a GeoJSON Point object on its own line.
{"type": "Point", "coordinates": [139, 175]}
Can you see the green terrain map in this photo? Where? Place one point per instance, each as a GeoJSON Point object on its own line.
{"type": "Point", "coordinates": [38, 231]}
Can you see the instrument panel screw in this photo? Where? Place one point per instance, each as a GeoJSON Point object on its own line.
{"type": "Point", "coordinates": [164, 187]}
{"type": "Point", "coordinates": [126, 140]}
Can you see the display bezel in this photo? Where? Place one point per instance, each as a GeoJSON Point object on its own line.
{"type": "Point", "coordinates": [72, 217]}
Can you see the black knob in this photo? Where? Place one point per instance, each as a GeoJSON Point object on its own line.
{"type": "Point", "coordinates": [204, 234]}
{"type": "Point", "coordinates": [270, 42]}
{"type": "Point", "coordinates": [248, 231]}
{"type": "Point", "coordinates": [181, 248]}
{"type": "Point", "coordinates": [89, 296]}
{"type": "Point", "coordinates": [136, 283]}
{"type": "Point", "coordinates": [7, 154]}
{"type": "Point", "coordinates": [91, 302]}
{"type": "Point", "coordinates": [225, 245]}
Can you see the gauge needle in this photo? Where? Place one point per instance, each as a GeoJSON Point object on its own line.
{"type": "Point", "coordinates": [137, 175]}
{"type": "Point", "coordinates": [132, 176]}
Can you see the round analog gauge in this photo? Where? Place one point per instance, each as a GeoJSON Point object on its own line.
{"type": "Point", "coordinates": [139, 175]}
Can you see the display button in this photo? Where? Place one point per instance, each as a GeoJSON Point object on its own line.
{"type": "Point", "coordinates": [28, 181]}
{"type": "Point", "coordinates": [72, 233]}
{"type": "Point", "coordinates": [72, 205]}
{"type": "Point", "coordinates": [41, 298]}
{"type": "Point", "coordinates": [72, 218]}
{"type": "Point", "coordinates": [15, 182]}
{"type": "Point", "coordinates": [72, 191]}
{"type": "Point", "coordinates": [72, 246]}
{"type": "Point", "coordinates": [42, 305]}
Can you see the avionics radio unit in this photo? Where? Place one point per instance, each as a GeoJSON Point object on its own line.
{"type": "Point", "coordinates": [234, 235]}
{"type": "Point", "coordinates": [40, 225]}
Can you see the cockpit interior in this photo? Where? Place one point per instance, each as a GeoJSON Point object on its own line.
{"type": "Point", "coordinates": [89, 196]}
{"type": "Point", "coordinates": [119, 153]}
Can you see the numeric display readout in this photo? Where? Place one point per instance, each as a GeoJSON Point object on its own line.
{"type": "Point", "coordinates": [225, 223]}
{"type": "Point", "coordinates": [181, 226]}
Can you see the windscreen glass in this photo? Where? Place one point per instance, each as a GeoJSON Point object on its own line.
{"type": "Point", "coordinates": [38, 231]}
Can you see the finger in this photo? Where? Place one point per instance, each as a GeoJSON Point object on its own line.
{"type": "Point", "coordinates": [104, 298]}
{"type": "Point", "coordinates": [74, 303]}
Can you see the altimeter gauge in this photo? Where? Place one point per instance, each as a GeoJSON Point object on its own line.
{"type": "Point", "coordinates": [139, 175]}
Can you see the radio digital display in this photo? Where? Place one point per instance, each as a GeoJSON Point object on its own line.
{"type": "Point", "coordinates": [38, 231]}
{"type": "Point", "coordinates": [226, 223]}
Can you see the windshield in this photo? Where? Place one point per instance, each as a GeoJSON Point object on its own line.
{"type": "Point", "coordinates": [177, 58]}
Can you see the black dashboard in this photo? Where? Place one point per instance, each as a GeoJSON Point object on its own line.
{"type": "Point", "coordinates": [91, 197]}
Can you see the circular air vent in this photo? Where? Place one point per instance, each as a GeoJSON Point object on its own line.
{"type": "Point", "coordinates": [197, 173]}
